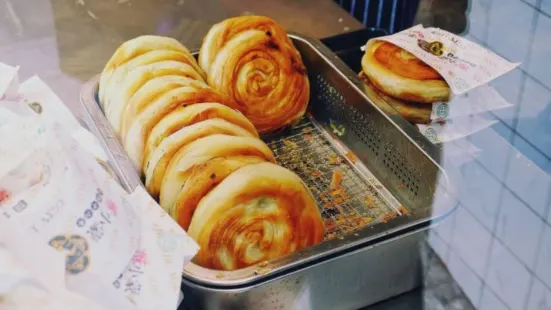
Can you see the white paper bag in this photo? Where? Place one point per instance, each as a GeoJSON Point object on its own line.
{"type": "Point", "coordinates": [464, 65]}
{"type": "Point", "coordinates": [100, 248]}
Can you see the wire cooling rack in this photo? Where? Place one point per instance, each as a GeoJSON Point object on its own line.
{"type": "Point", "coordinates": [347, 200]}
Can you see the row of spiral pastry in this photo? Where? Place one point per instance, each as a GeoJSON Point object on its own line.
{"type": "Point", "coordinates": [203, 159]}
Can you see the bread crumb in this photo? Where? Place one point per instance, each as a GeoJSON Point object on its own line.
{"type": "Point", "coordinates": [336, 179]}
{"type": "Point", "coordinates": [352, 157]}
{"type": "Point", "coordinates": [403, 210]}
{"type": "Point", "coordinates": [289, 143]}
{"type": "Point", "coordinates": [334, 160]}
{"type": "Point", "coordinates": [368, 201]}
{"type": "Point", "coordinates": [337, 192]}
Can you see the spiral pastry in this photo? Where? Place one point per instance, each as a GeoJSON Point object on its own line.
{"type": "Point", "coordinates": [200, 179]}
{"type": "Point", "coordinates": [150, 91]}
{"type": "Point", "coordinates": [192, 114]}
{"type": "Point", "coordinates": [159, 158]}
{"type": "Point", "coordinates": [141, 51]}
{"type": "Point", "coordinates": [259, 212]}
{"type": "Point", "coordinates": [143, 123]}
{"type": "Point", "coordinates": [117, 97]}
{"type": "Point", "coordinates": [201, 150]}
{"type": "Point", "coordinates": [252, 60]}
{"type": "Point", "coordinates": [401, 75]}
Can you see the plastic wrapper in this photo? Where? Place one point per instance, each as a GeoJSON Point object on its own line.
{"type": "Point", "coordinates": [98, 246]}
{"type": "Point", "coordinates": [479, 100]}
{"type": "Point", "coordinates": [459, 152]}
{"type": "Point", "coordinates": [456, 128]}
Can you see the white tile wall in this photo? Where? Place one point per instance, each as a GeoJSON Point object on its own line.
{"type": "Point", "coordinates": [480, 194]}
{"type": "Point", "coordinates": [519, 228]}
{"type": "Point", "coordinates": [532, 153]}
{"type": "Point", "coordinates": [438, 245]}
{"type": "Point", "coordinates": [543, 267]}
{"type": "Point", "coordinates": [445, 228]}
{"type": "Point", "coordinates": [541, 49]}
{"type": "Point", "coordinates": [534, 121]}
{"type": "Point", "coordinates": [490, 301]}
{"type": "Point", "coordinates": [478, 17]}
{"type": "Point", "coordinates": [508, 277]}
{"type": "Point", "coordinates": [471, 241]}
{"type": "Point", "coordinates": [495, 151]}
{"type": "Point", "coordinates": [540, 297]}
{"type": "Point", "coordinates": [509, 86]}
{"type": "Point", "coordinates": [546, 6]}
{"type": "Point", "coordinates": [529, 182]}
{"type": "Point", "coordinates": [513, 263]}
{"type": "Point", "coordinates": [510, 19]}
{"type": "Point", "coordinates": [465, 277]}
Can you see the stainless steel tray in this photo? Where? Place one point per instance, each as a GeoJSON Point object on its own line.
{"type": "Point", "coordinates": [390, 182]}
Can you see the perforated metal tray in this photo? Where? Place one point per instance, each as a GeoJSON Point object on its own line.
{"type": "Point", "coordinates": [391, 175]}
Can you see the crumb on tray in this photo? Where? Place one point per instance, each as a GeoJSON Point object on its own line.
{"type": "Point", "coordinates": [334, 160]}
{"type": "Point", "coordinates": [368, 201]}
{"type": "Point", "coordinates": [289, 143]}
{"type": "Point", "coordinates": [263, 263]}
{"type": "Point", "coordinates": [336, 179]}
{"type": "Point", "coordinates": [352, 157]}
{"type": "Point", "coordinates": [403, 210]}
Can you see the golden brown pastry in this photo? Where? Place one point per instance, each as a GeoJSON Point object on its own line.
{"type": "Point", "coordinates": [141, 51]}
{"type": "Point", "coordinates": [259, 212]}
{"type": "Point", "coordinates": [411, 111]}
{"type": "Point", "coordinates": [401, 75]}
{"type": "Point", "coordinates": [117, 96]}
{"type": "Point", "coordinates": [143, 123]}
{"type": "Point", "coordinates": [201, 150]}
{"type": "Point", "coordinates": [150, 91]}
{"type": "Point", "coordinates": [202, 178]}
{"type": "Point", "coordinates": [251, 59]}
{"type": "Point", "coordinates": [192, 114]}
{"type": "Point", "coordinates": [155, 165]}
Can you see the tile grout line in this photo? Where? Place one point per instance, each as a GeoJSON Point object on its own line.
{"type": "Point", "coordinates": [535, 263]}
{"type": "Point", "coordinates": [517, 134]}
{"type": "Point", "coordinates": [537, 7]}
{"type": "Point", "coordinates": [533, 26]}
{"type": "Point", "coordinates": [492, 234]}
